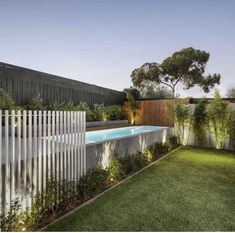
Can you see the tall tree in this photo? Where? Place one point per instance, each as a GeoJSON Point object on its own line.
{"type": "Point", "coordinates": [186, 66]}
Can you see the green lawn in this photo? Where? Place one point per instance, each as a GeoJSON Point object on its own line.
{"type": "Point", "coordinates": [189, 190]}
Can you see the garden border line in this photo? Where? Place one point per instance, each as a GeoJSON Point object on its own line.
{"type": "Point", "coordinates": [107, 190]}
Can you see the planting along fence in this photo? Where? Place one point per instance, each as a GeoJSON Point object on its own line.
{"type": "Point", "coordinates": [36, 146]}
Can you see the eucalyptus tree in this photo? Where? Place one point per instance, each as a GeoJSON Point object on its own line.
{"type": "Point", "coordinates": [186, 66]}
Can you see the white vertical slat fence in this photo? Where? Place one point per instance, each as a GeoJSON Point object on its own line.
{"type": "Point", "coordinates": [36, 146]}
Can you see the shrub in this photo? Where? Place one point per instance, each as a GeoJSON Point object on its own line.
{"type": "Point", "coordinates": [114, 168]}
{"type": "Point", "coordinates": [99, 112]}
{"type": "Point", "coordinates": [148, 152]}
{"type": "Point", "coordinates": [167, 146]}
{"type": "Point", "coordinates": [93, 182]}
{"type": "Point", "coordinates": [85, 107]}
{"type": "Point", "coordinates": [11, 221]}
{"type": "Point", "coordinates": [6, 101]}
{"type": "Point", "coordinates": [182, 118]}
{"type": "Point", "coordinates": [58, 106]}
{"type": "Point", "coordinates": [231, 128]}
{"type": "Point", "coordinates": [36, 103]}
{"type": "Point", "coordinates": [200, 121]}
{"type": "Point", "coordinates": [158, 148]}
{"type": "Point", "coordinates": [139, 161]}
{"type": "Point", "coordinates": [173, 141]}
{"type": "Point", "coordinates": [115, 112]}
{"type": "Point", "coordinates": [127, 164]}
{"type": "Point", "coordinates": [218, 119]}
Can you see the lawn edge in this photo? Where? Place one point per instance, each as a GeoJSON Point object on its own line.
{"type": "Point", "coordinates": [107, 190]}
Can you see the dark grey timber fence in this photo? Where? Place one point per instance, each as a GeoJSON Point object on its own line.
{"type": "Point", "coordinates": [24, 84]}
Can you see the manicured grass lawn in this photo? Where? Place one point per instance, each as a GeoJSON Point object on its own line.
{"type": "Point", "coordinates": [189, 190]}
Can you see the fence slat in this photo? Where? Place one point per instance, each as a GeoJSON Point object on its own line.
{"type": "Point", "coordinates": [69, 148]}
{"type": "Point", "coordinates": [19, 188]}
{"type": "Point", "coordinates": [30, 156]}
{"type": "Point", "coordinates": [12, 155]}
{"type": "Point", "coordinates": [35, 154]}
{"type": "Point", "coordinates": [7, 168]}
{"type": "Point", "coordinates": [53, 144]}
{"type": "Point", "coordinates": [25, 157]}
{"type": "Point", "coordinates": [84, 141]}
{"type": "Point", "coordinates": [65, 145]}
{"type": "Point", "coordinates": [44, 169]}
{"type": "Point", "coordinates": [39, 175]}
{"type": "Point", "coordinates": [49, 145]}
{"type": "Point", "coordinates": [1, 162]}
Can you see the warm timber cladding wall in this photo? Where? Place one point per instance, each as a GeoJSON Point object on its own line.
{"type": "Point", "coordinates": [154, 112]}
{"type": "Point", "coordinates": [23, 84]}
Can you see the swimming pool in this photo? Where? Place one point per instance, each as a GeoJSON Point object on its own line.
{"type": "Point", "coordinates": [109, 134]}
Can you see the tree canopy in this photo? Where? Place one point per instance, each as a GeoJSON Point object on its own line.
{"type": "Point", "coordinates": [186, 66]}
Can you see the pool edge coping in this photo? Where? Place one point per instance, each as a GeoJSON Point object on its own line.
{"type": "Point", "coordinates": [107, 190]}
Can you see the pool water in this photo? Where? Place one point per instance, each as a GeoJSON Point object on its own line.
{"type": "Point", "coordinates": [108, 134]}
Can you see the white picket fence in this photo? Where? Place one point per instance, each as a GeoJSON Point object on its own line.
{"type": "Point", "coordinates": [33, 146]}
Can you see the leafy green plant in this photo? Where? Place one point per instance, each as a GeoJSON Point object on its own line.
{"type": "Point", "coordinates": [6, 101]}
{"type": "Point", "coordinates": [231, 128]}
{"type": "Point", "coordinates": [11, 220]}
{"type": "Point", "coordinates": [36, 103]}
{"type": "Point", "coordinates": [173, 141]}
{"type": "Point", "coordinates": [93, 182]}
{"type": "Point", "coordinates": [115, 112]}
{"type": "Point", "coordinates": [218, 119]}
{"type": "Point", "coordinates": [182, 120]}
{"type": "Point", "coordinates": [114, 168]}
{"type": "Point", "coordinates": [199, 122]}
{"type": "Point", "coordinates": [148, 153]}
{"type": "Point", "coordinates": [99, 112]}
{"type": "Point", "coordinates": [134, 106]}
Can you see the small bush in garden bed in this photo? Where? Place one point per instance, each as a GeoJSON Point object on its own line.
{"type": "Point", "coordinates": [114, 169]}
{"type": "Point", "coordinates": [93, 182]}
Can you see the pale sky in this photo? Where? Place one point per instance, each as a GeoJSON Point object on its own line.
{"type": "Point", "coordinates": [102, 41]}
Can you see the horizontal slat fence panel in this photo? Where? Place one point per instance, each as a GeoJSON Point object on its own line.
{"type": "Point", "coordinates": [154, 112]}
{"type": "Point", "coordinates": [36, 146]}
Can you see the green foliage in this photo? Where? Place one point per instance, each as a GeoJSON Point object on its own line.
{"type": "Point", "coordinates": [11, 221]}
{"type": "Point", "coordinates": [115, 112]}
{"type": "Point", "coordinates": [6, 101]}
{"type": "Point", "coordinates": [94, 181]}
{"type": "Point", "coordinates": [114, 168]}
{"type": "Point", "coordinates": [99, 112]}
{"type": "Point", "coordinates": [218, 119]}
{"type": "Point", "coordinates": [132, 91]}
{"type": "Point", "coordinates": [148, 153]}
{"type": "Point", "coordinates": [231, 128]}
{"type": "Point", "coordinates": [152, 90]}
{"type": "Point", "coordinates": [173, 142]}
{"type": "Point", "coordinates": [231, 93]}
{"type": "Point", "coordinates": [36, 103]}
{"type": "Point", "coordinates": [63, 195]}
{"type": "Point", "coordinates": [134, 105]}
{"type": "Point", "coordinates": [186, 66]}
{"type": "Point", "coordinates": [182, 119]}
{"type": "Point", "coordinates": [199, 122]}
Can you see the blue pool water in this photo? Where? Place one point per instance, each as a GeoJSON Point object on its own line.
{"type": "Point", "coordinates": [108, 134]}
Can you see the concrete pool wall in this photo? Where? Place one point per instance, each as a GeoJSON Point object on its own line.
{"type": "Point", "coordinates": [98, 154]}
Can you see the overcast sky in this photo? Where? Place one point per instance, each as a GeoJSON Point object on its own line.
{"type": "Point", "coordinates": [101, 42]}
